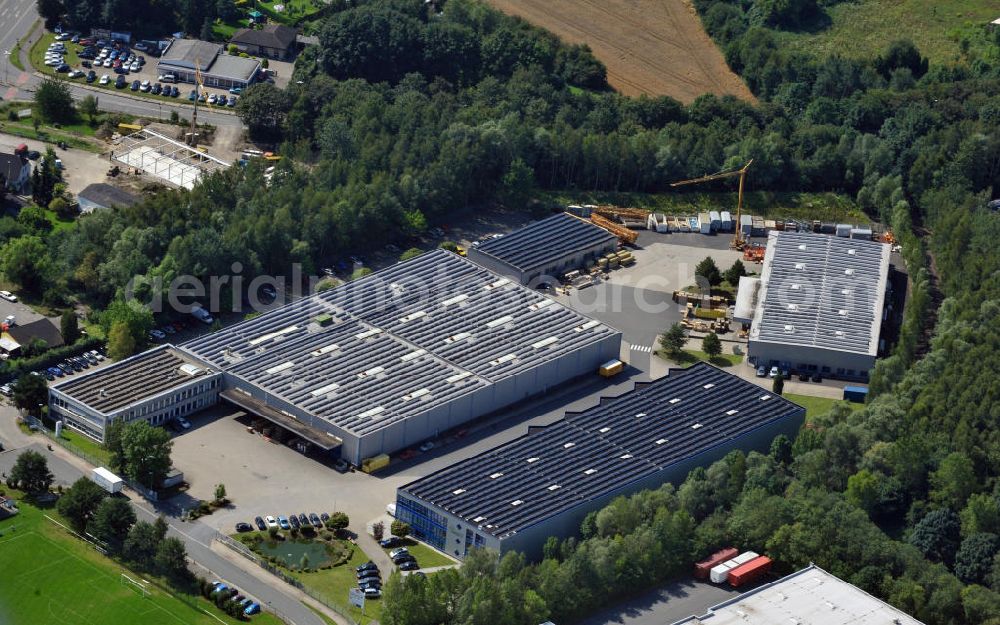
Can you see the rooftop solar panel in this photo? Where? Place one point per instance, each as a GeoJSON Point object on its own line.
{"type": "Point", "coordinates": [591, 453]}
{"type": "Point", "coordinates": [538, 245]}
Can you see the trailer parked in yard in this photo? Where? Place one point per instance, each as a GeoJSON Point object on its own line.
{"type": "Point", "coordinates": [856, 394]}
{"type": "Point", "coordinates": [107, 480]}
{"type": "Point", "coordinates": [704, 568]}
{"type": "Point", "coordinates": [749, 572]}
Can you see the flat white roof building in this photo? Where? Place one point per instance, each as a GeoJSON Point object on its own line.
{"type": "Point", "coordinates": [819, 304]}
{"type": "Point", "coordinates": [808, 597]}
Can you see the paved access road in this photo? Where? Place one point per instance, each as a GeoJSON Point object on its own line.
{"type": "Point", "coordinates": [197, 537]}
{"type": "Point", "coordinates": [16, 19]}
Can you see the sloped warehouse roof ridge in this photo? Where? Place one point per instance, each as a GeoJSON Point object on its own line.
{"type": "Point", "coordinates": [591, 453]}
{"type": "Point", "coordinates": [396, 343]}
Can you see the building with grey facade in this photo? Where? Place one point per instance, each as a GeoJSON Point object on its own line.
{"type": "Point", "coordinates": [545, 249]}
{"type": "Point", "coordinates": [810, 596]}
{"type": "Point", "coordinates": [185, 57]}
{"type": "Point", "coordinates": [413, 350]}
{"type": "Point", "coordinates": [517, 495]}
{"type": "Point", "coordinates": [158, 385]}
{"type": "Point", "coordinates": [819, 304]}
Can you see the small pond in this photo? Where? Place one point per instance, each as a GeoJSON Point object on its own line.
{"type": "Point", "coordinates": [290, 552]}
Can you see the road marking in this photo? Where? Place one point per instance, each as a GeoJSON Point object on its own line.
{"type": "Point", "coordinates": [646, 349]}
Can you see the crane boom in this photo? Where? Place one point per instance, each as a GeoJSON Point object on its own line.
{"type": "Point", "coordinates": [738, 241]}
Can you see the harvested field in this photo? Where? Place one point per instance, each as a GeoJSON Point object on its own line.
{"type": "Point", "coordinates": [653, 47]}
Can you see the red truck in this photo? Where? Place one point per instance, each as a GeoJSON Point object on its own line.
{"type": "Point", "coordinates": [751, 571]}
{"type": "Point", "coordinates": [703, 568]}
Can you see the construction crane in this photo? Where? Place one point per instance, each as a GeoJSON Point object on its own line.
{"type": "Point", "coordinates": [738, 241]}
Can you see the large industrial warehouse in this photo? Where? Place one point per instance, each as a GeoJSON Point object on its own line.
{"type": "Point", "coordinates": [395, 358]}
{"type": "Point", "coordinates": [515, 496]}
{"type": "Point", "coordinates": [157, 385]}
{"type": "Point", "coordinates": [545, 249]}
{"type": "Point", "coordinates": [818, 304]}
{"type": "Point", "coordinates": [810, 596]}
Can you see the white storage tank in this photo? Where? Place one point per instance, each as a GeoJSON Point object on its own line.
{"type": "Point", "coordinates": [844, 230]}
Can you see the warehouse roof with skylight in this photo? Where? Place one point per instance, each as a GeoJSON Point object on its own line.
{"type": "Point", "coordinates": [589, 454]}
{"type": "Point", "coordinates": [399, 342]}
{"type": "Point", "coordinates": [821, 291]}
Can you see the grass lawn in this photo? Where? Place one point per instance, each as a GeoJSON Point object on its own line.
{"type": "Point", "coordinates": [85, 444]}
{"type": "Point", "coordinates": [61, 579]}
{"type": "Point", "coordinates": [292, 10]}
{"type": "Point", "coordinates": [223, 31]}
{"type": "Point", "coordinates": [332, 585]}
{"type": "Point", "coordinates": [48, 135]}
{"type": "Point", "coordinates": [427, 557]}
{"type": "Point", "coordinates": [816, 406]}
{"type": "Point", "coordinates": [772, 205]}
{"type": "Point", "coordinates": [691, 356]}
{"type": "Point", "coordinates": [864, 28]}
{"type": "Point", "coordinates": [37, 54]}
{"type": "Point", "coordinates": [57, 223]}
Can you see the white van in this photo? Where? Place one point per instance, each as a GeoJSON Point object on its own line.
{"type": "Point", "coordinates": [201, 314]}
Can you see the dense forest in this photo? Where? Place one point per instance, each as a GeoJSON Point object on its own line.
{"type": "Point", "coordinates": [399, 118]}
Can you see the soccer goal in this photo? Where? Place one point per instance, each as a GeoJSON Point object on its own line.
{"type": "Point", "coordinates": [135, 585]}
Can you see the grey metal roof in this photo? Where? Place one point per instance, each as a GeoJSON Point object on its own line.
{"type": "Point", "coordinates": [233, 67]}
{"type": "Point", "coordinates": [821, 291]}
{"type": "Point", "coordinates": [128, 381]}
{"type": "Point", "coordinates": [106, 195]}
{"type": "Point", "coordinates": [188, 52]}
{"type": "Point", "coordinates": [398, 343]}
{"type": "Point", "coordinates": [541, 243]}
{"type": "Point", "coordinates": [810, 596]}
{"type": "Point", "coordinates": [589, 454]}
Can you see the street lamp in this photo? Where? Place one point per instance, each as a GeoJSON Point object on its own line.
{"type": "Point", "coordinates": [6, 56]}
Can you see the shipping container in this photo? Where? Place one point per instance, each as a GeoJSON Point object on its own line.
{"type": "Point", "coordinates": [746, 225]}
{"type": "Point", "coordinates": [865, 234]}
{"type": "Point", "coordinates": [704, 223]}
{"type": "Point", "coordinates": [770, 224]}
{"type": "Point", "coordinates": [107, 480]}
{"type": "Point", "coordinates": [704, 568]}
{"type": "Point", "coordinates": [856, 394]}
{"type": "Point", "coordinates": [720, 572]}
{"type": "Point", "coordinates": [715, 220]}
{"type": "Point", "coordinates": [727, 221]}
{"type": "Point", "coordinates": [828, 228]}
{"type": "Point", "coordinates": [844, 230]}
{"type": "Point", "coordinates": [749, 572]}
{"type": "Point", "coordinates": [611, 368]}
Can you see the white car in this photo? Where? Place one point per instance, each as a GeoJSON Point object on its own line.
{"type": "Point", "coordinates": [184, 423]}
{"type": "Point", "coordinates": [105, 79]}
{"type": "Point", "coordinates": [145, 86]}
{"type": "Point", "coordinates": [773, 373]}
{"type": "Point", "coordinates": [53, 62]}
{"type": "Point", "coordinates": [212, 99]}
{"type": "Point", "coordinates": [108, 63]}
{"type": "Point", "coordinates": [271, 521]}
{"type": "Point", "coordinates": [398, 552]}
{"type": "Point", "coordinates": [7, 295]}
{"type": "Point", "coordinates": [76, 74]}
{"type": "Point", "coordinates": [63, 36]}
{"type": "Point", "coordinates": [134, 67]}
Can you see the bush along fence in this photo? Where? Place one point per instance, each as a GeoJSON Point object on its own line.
{"type": "Point", "coordinates": [11, 369]}
{"type": "Point", "coordinates": [247, 553]}
{"type": "Point", "coordinates": [151, 495]}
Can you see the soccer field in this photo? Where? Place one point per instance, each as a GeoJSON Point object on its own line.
{"type": "Point", "coordinates": [52, 577]}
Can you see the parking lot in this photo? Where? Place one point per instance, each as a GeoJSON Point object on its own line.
{"type": "Point", "coordinates": [142, 76]}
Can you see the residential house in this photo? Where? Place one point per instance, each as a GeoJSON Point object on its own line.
{"type": "Point", "coordinates": [275, 41]}
{"type": "Point", "coordinates": [16, 172]}
{"type": "Point", "coordinates": [16, 338]}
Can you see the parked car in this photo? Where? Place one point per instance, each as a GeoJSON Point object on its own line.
{"type": "Point", "coordinates": [370, 583]}
{"type": "Point", "coordinates": [252, 609]}
{"type": "Point", "coordinates": [243, 527]}
{"type": "Point", "coordinates": [174, 92]}
{"type": "Point", "coordinates": [398, 551]}
{"type": "Point", "coordinates": [391, 541]}
{"type": "Point", "coordinates": [7, 295]}
{"type": "Point", "coordinates": [260, 523]}
{"type": "Point", "coordinates": [367, 566]}
{"type": "Point", "coordinates": [774, 372]}
{"type": "Point", "coordinates": [156, 89]}
{"type": "Point", "coordinates": [33, 155]}
{"type": "Point", "coordinates": [762, 371]}
{"type": "Point", "coordinates": [373, 593]}
{"type": "Point", "coordinates": [62, 69]}
{"type": "Point", "coordinates": [342, 466]}
{"type": "Point", "coordinates": [76, 73]}
{"type": "Point", "coordinates": [212, 99]}
{"type": "Point", "coordinates": [193, 95]}
{"type": "Point", "coordinates": [314, 519]}
{"type": "Point", "coordinates": [283, 523]}
{"type": "Point", "coordinates": [427, 446]}
{"type": "Point", "coordinates": [55, 372]}
{"type": "Point", "coordinates": [120, 82]}
{"type": "Point", "coordinates": [157, 335]}
{"type": "Point", "coordinates": [324, 517]}
{"type": "Point", "coordinates": [145, 86]}
{"type": "Point", "coordinates": [293, 521]}
{"type": "Point", "coordinates": [410, 565]}
{"type": "Point", "coordinates": [91, 76]}
{"type": "Point", "coordinates": [369, 574]}
{"type": "Point", "coordinates": [6, 390]}
{"type": "Point", "coordinates": [236, 90]}
{"type": "Point", "coordinates": [232, 102]}
{"type": "Point", "coordinates": [303, 519]}
{"type": "Point", "coordinates": [184, 423]}
{"type": "Point", "coordinates": [271, 522]}
{"type": "Point", "coordinates": [817, 377]}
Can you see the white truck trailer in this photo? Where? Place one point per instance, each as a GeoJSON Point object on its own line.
{"type": "Point", "coordinates": [107, 480]}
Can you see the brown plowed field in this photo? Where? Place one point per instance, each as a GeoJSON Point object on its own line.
{"type": "Point", "coordinates": [656, 47]}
